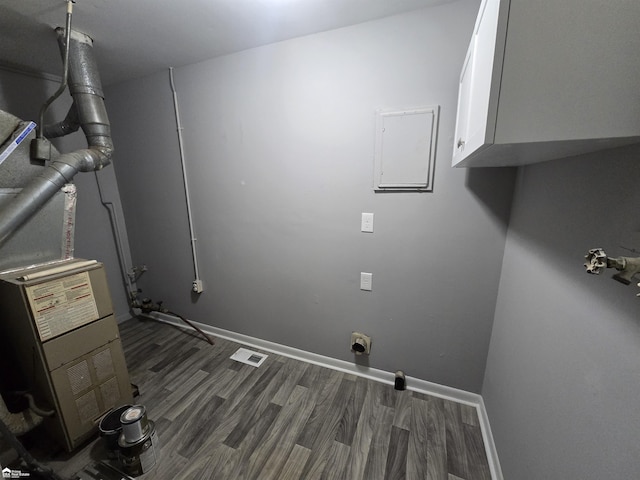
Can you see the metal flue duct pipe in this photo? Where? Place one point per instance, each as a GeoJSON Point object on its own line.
{"type": "Point", "coordinates": [90, 114]}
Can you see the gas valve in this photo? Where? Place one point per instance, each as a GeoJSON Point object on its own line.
{"type": "Point", "coordinates": [596, 261]}
{"type": "Point", "coordinates": [627, 267]}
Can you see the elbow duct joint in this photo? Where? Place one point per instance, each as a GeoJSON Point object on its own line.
{"type": "Point", "coordinates": [88, 112]}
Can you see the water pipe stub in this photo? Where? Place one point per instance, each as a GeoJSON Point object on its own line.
{"type": "Point", "coordinates": [359, 346]}
{"type": "Point", "coordinates": [360, 343]}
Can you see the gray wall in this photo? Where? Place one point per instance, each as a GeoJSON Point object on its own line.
{"type": "Point", "coordinates": [562, 381]}
{"type": "Point", "coordinates": [279, 143]}
{"type": "Point", "coordinates": [22, 95]}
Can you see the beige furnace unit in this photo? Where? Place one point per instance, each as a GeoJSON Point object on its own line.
{"type": "Point", "coordinates": [60, 323]}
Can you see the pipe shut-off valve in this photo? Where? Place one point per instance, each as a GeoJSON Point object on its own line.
{"type": "Point", "coordinates": [597, 261]}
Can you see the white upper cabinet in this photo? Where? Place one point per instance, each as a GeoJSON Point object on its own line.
{"type": "Point", "coordinates": [548, 79]}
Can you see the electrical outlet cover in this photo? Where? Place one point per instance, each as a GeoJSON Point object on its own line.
{"type": "Point", "coordinates": [366, 224]}
{"type": "Point", "coordinates": [366, 281]}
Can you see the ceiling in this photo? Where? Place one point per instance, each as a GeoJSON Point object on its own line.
{"type": "Point", "coordinates": [133, 38]}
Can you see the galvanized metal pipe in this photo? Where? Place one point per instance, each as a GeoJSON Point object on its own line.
{"type": "Point", "coordinates": [34, 196]}
{"type": "Point", "coordinates": [69, 125]}
{"type": "Point", "coordinates": [86, 89]}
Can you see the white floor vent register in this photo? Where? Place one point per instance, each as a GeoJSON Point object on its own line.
{"type": "Point", "coordinates": [250, 358]}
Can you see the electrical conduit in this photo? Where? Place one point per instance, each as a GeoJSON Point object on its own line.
{"type": "Point", "coordinates": [194, 253]}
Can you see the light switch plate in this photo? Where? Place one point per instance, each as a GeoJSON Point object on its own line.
{"type": "Point", "coordinates": [366, 281]}
{"type": "Point", "coordinates": [367, 223]}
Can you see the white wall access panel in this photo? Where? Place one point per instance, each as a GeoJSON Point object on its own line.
{"type": "Point", "coordinates": [405, 148]}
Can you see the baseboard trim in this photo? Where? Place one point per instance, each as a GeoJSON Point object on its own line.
{"type": "Point", "coordinates": [414, 384]}
{"type": "Point", "coordinates": [489, 444]}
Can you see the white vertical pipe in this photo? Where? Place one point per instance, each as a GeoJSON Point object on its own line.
{"type": "Point", "coordinates": [124, 255]}
{"type": "Point", "coordinates": [184, 176]}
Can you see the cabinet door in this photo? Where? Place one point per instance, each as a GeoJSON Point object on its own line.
{"type": "Point", "coordinates": [479, 85]}
{"type": "Point", "coordinates": [464, 105]}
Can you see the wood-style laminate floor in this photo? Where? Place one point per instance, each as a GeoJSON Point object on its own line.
{"type": "Point", "coordinates": [285, 420]}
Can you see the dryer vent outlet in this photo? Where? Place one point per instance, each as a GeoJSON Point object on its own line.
{"type": "Point", "coordinates": [360, 343]}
